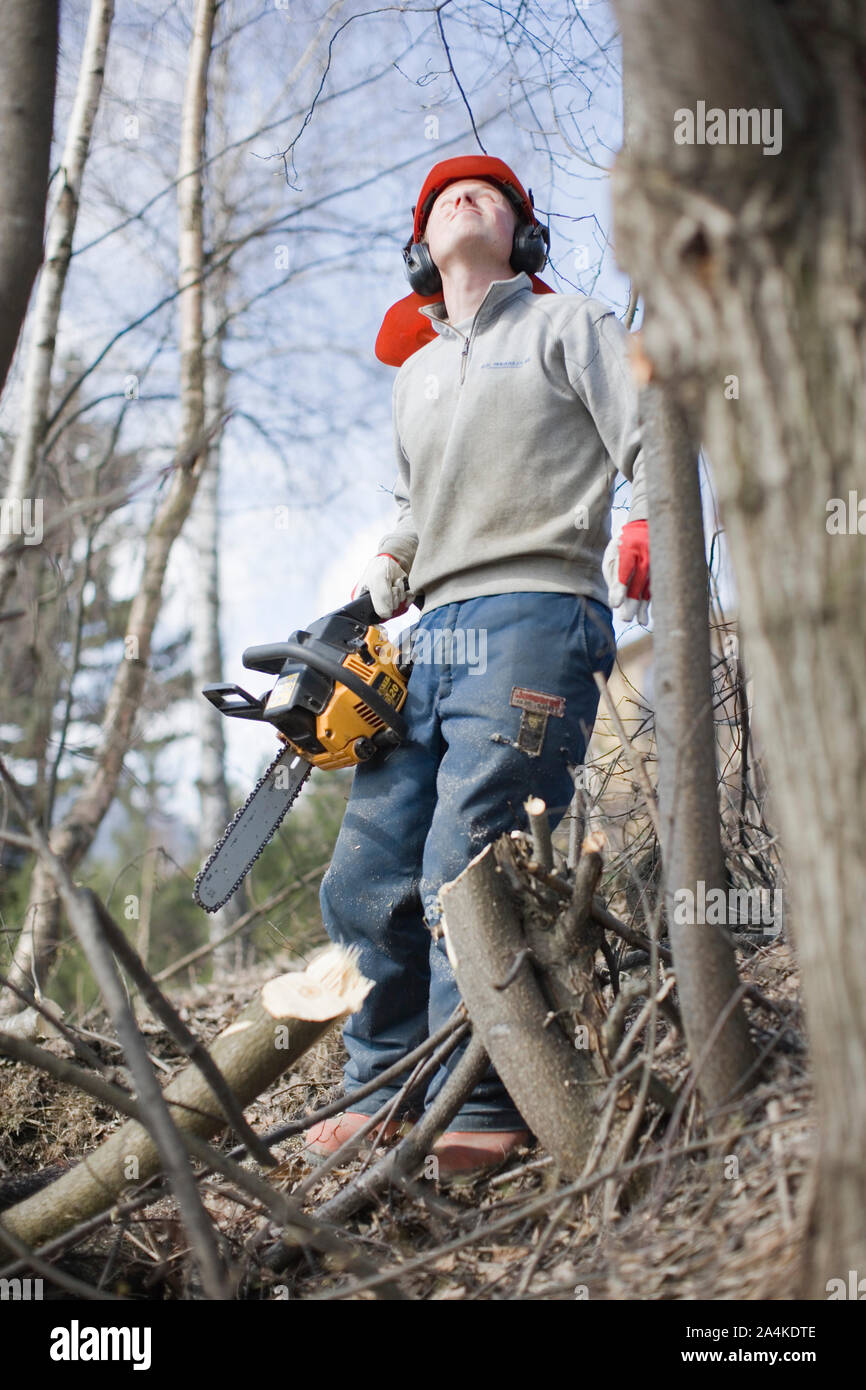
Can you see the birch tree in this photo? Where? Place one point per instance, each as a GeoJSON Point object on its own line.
{"type": "Point", "coordinates": [748, 250]}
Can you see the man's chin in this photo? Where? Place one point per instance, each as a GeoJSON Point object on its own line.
{"type": "Point", "coordinates": [472, 248]}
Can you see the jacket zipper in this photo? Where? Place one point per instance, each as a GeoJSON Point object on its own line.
{"type": "Point", "coordinates": [463, 356]}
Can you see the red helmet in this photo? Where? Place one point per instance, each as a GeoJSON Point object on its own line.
{"type": "Point", "coordinates": [404, 330]}
{"type": "Point", "coordinates": [470, 166]}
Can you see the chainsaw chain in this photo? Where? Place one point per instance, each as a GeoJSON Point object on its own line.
{"type": "Point", "coordinates": [231, 825]}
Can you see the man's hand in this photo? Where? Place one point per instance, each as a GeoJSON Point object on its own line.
{"type": "Point", "coordinates": [388, 584]}
{"type": "Point", "coordinates": [626, 571]}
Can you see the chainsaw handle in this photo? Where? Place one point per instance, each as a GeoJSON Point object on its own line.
{"type": "Point", "coordinates": [361, 609]}
{"type": "Point", "coordinates": [269, 658]}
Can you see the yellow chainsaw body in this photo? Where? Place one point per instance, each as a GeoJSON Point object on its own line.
{"type": "Point", "coordinates": [346, 719]}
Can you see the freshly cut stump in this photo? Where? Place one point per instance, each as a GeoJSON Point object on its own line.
{"type": "Point", "coordinates": [553, 1084]}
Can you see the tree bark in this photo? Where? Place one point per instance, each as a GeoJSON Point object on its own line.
{"type": "Point", "coordinates": [685, 738]}
{"type": "Point", "coordinates": [753, 271]}
{"type": "Point", "coordinates": [74, 835]}
{"type": "Point", "coordinates": [28, 60]}
{"type": "Point", "coordinates": [283, 1021]}
{"type": "Point", "coordinates": [33, 412]}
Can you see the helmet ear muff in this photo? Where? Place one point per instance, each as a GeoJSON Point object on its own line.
{"type": "Point", "coordinates": [420, 269]}
{"type": "Point", "coordinates": [530, 246]}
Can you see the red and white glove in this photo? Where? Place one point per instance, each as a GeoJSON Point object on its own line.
{"type": "Point", "coordinates": [388, 585]}
{"type": "Point", "coordinates": [625, 567]}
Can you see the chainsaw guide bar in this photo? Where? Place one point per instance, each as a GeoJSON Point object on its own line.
{"type": "Point", "coordinates": [250, 829]}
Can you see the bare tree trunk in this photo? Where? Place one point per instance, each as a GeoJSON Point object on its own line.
{"type": "Point", "coordinates": [753, 271]}
{"type": "Point", "coordinates": [716, 1029]}
{"type": "Point", "coordinates": [74, 835]}
{"type": "Point", "coordinates": [28, 60]}
{"type": "Point", "coordinates": [207, 665]}
{"type": "Point", "coordinates": [35, 402]}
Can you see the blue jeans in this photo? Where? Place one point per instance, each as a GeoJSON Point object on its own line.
{"type": "Point", "coordinates": [497, 710]}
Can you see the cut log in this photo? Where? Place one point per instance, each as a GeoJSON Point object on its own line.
{"type": "Point", "coordinates": [290, 1013]}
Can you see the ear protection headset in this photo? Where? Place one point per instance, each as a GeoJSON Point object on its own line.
{"type": "Point", "coordinates": [528, 249]}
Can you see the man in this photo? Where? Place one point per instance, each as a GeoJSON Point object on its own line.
{"type": "Point", "coordinates": [513, 408]}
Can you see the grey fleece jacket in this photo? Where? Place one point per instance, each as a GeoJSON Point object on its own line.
{"type": "Point", "coordinates": [509, 429]}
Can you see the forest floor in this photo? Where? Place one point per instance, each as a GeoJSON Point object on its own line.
{"type": "Point", "coordinates": [718, 1217]}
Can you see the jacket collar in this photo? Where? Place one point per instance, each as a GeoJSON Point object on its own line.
{"type": "Point", "coordinates": [499, 292]}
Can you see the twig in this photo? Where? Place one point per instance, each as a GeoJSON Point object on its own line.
{"type": "Point", "coordinates": [532, 1166]}
{"type": "Point", "coordinates": [76, 1287]}
{"type": "Point", "coordinates": [424, 1069]}
{"type": "Point", "coordinates": [453, 71]}
{"type": "Point", "coordinates": [544, 1241]}
{"type": "Point", "coordinates": [156, 1190]}
{"type": "Point", "coordinates": [691, 1082]}
{"type": "Point", "coordinates": [636, 762]}
{"type": "Point", "coordinates": [81, 1049]}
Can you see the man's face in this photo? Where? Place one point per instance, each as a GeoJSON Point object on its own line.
{"type": "Point", "coordinates": [471, 220]}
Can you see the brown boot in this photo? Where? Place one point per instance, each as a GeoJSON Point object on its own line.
{"type": "Point", "coordinates": [476, 1151]}
{"type": "Point", "coordinates": [327, 1137]}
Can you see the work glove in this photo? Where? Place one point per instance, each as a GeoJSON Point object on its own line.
{"type": "Point", "coordinates": [626, 571]}
{"type": "Point", "coordinates": [388, 585]}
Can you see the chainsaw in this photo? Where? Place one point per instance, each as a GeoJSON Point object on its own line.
{"type": "Point", "coordinates": [337, 700]}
